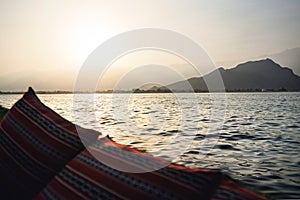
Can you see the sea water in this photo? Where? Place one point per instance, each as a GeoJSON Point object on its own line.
{"type": "Point", "coordinates": [257, 140]}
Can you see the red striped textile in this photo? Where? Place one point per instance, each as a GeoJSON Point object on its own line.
{"type": "Point", "coordinates": [35, 144]}
{"type": "Point", "coordinates": [228, 189]}
{"type": "Point", "coordinates": [88, 178]}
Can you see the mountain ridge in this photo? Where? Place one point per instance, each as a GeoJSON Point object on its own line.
{"type": "Point", "coordinates": [261, 75]}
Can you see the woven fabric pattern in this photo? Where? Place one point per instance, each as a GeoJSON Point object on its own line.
{"type": "Point", "coordinates": [35, 144]}
{"type": "Point", "coordinates": [85, 177]}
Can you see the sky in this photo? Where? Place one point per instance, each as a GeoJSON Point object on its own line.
{"type": "Point", "coordinates": [44, 43]}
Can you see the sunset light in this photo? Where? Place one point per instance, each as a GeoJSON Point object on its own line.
{"type": "Point", "coordinates": [150, 100]}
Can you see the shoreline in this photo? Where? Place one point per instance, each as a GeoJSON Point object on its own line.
{"type": "Point", "coordinates": [147, 92]}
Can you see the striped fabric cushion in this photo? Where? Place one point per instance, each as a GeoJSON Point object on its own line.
{"type": "Point", "coordinates": [35, 144]}
{"type": "Point", "coordinates": [228, 189]}
{"type": "Point", "coordinates": [86, 177]}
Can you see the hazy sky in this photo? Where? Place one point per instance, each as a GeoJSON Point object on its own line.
{"type": "Point", "coordinates": [44, 43]}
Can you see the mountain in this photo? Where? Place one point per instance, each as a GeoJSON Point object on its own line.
{"type": "Point", "coordinates": [288, 58]}
{"type": "Point", "coordinates": [250, 76]}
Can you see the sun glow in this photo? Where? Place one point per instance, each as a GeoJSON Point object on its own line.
{"type": "Point", "coordinates": [86, 37]}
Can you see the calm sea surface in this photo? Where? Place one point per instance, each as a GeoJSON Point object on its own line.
{"type": "Point", "coordinates": [258, 143]}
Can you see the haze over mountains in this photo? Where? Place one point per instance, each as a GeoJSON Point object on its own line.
{"type": "Point", "coordinates": [262, 75]}
{"type": "Point", "coordinates": [250, 76]}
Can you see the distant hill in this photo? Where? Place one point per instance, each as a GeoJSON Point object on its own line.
{"type": "Point", "coordinates": [288, 58]}
{"type": "Point", "coordinates": [250, 76]}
